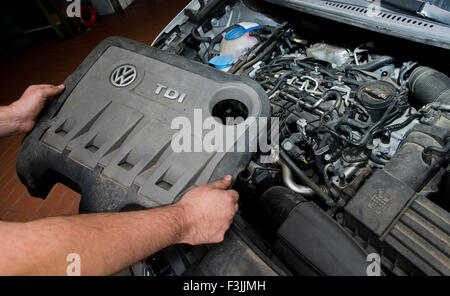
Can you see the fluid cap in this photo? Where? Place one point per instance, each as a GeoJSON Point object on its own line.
{"type": "Point", "coordinates": [221, 62]}
{"type": "Point", "coordinates": [249, 26]}
{"type": "Point", "coordinates": [242, 28]}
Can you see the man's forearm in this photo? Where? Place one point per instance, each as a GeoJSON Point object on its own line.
{"type": "Point", "coordinates": [105, 242]}
{"type": "Point", "coordinates": [9, 124]}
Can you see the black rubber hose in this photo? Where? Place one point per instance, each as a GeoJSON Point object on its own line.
{"type": "Point", "coordinates": [197, 37]}
{"type": "Point", "coordinates": [429, 86]}
{"type": "Point", "coordinates": [276, 204]}
{"type": "Point", "coordinates": [307, 240]}
{"type": "Point", "coordinates": [304, 179]}
{"type": "Point", "coordinates": [398, 126]}
{"type": "Point", "coordinates": [333, 93]}
{"type": "Point", "coordinates": [373, 65]}
{"type": "Point", "coordinates": [280, 81]}
{"type": "Point", "coordinates": [444, 150]}
{"type": "Point", "coordinates": [355, 123]}
{"type": "Point", "coordinates": [370, 133]}
{"type": "Point", "coordinates": [258, 58]}
{"type": "Point", "coordinates": [427, 153]}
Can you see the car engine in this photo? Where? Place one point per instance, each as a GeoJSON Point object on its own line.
{"type": "Point", "coordinates": [364, 134]}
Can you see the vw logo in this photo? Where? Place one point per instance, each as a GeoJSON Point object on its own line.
{"type": "Point", "coordinates": [123, 75]}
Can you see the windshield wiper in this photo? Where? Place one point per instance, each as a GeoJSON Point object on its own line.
{"type": "Point", "coordinates": [423, 9]}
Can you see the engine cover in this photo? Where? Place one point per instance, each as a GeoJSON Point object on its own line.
{"type": "Point", "coordinates": [109, 134]}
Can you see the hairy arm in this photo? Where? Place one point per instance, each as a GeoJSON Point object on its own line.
{"type": "Point", "coordinates": [20, 116]}
{"type": "Point", "coordinates": [109, 242]}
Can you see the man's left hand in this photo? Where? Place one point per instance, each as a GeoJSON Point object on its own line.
{"type": "Point", "coordinates": [25, 110]}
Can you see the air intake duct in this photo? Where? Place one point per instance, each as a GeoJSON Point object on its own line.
{"type": "Point", "coordinates": [308, 241]}
{"type": "Point", "coordinates": [429, 86]}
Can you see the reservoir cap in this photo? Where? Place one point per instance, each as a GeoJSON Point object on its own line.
{"type": "Point", "coordinates": [221, 62]}
{"type": "Point", "coordinates": [241, 30]}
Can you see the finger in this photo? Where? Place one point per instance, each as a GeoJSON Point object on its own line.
{"type": "Point", "coordinates": [43, 86]}
{"type": "Point", "coordinates": [51, 90]}
{"type": "Point", "coordinates": [223, 183]}
{"type": "Point", "coordinates": [40, 86]}
{"type": "Point", "coordinates": [234, 195]}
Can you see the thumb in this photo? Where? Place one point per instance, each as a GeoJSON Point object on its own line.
{"type": "Point", "coordinates": [223, 183]}
{"type": "Point", "coordinates": [51, 90]}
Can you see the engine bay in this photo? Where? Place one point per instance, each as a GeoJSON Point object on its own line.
{"type": "Point", "coordinates": [364, 132]}
{"type": "Point", "coordinates": [357, 178]}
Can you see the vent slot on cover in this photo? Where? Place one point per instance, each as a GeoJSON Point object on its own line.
{"type": "Point", "coordinates": [384, 15]}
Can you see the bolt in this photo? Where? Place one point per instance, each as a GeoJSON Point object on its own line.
{"type": "Point", "coordinates": [215, 22]}
{"type": "Point", "coordinates": [330, 202]}
{"type": "Point", "coordinates": [327, 157]}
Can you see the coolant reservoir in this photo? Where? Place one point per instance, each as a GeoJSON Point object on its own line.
{"type": "Point", "coordinates": [238, 41]}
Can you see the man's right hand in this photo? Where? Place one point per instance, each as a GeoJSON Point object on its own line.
{"type": "Point", "coordinates": [208, 212]}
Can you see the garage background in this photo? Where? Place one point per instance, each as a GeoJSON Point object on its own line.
{"type": "Point", "coordinates": [39, 44]}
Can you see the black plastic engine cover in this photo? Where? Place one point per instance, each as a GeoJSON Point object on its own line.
{"type": "Point", "coordinates": [108, 135]}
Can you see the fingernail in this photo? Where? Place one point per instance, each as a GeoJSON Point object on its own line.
{"type": "Point", "coordinates": [61, 86]}
{"type": "Point", "coordinates": [228, 178]}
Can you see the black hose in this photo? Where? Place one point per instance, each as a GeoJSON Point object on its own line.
{"type": "Point", "coordinates": [445, 149]}
{"type": "Point", "coordinates": [304, 179]}
{"type": "Point", "coordinates": [259, 57]}
{"type": "Point", "coordinates": [355, 123]}
{"type": "Point", "coordinates": [427, 153]}
{"type": "Point", "coordinates": [429, 86]}
{"type": "Point", "coordinates": [276, 204]}
{"type": "Point", "coordinates": [373, 65]}
{"type": "Point", "coordinates": [197, 37]}
{"type": "Point", "coordinates": [333, 93]}
{"type": "Point", "coordinates": [280, 81]}
{"type": "Point", "coordinates": [399, 126]}
{"type": "Point", "coordinates": [370, 133]}
{"type": "Point", "coordinates": [262, 49]}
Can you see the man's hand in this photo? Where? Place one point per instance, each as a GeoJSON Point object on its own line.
{"type": "Point", "coordinates": [208, 212]}
{"type": "Point", "coordinates": [25, 110]}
